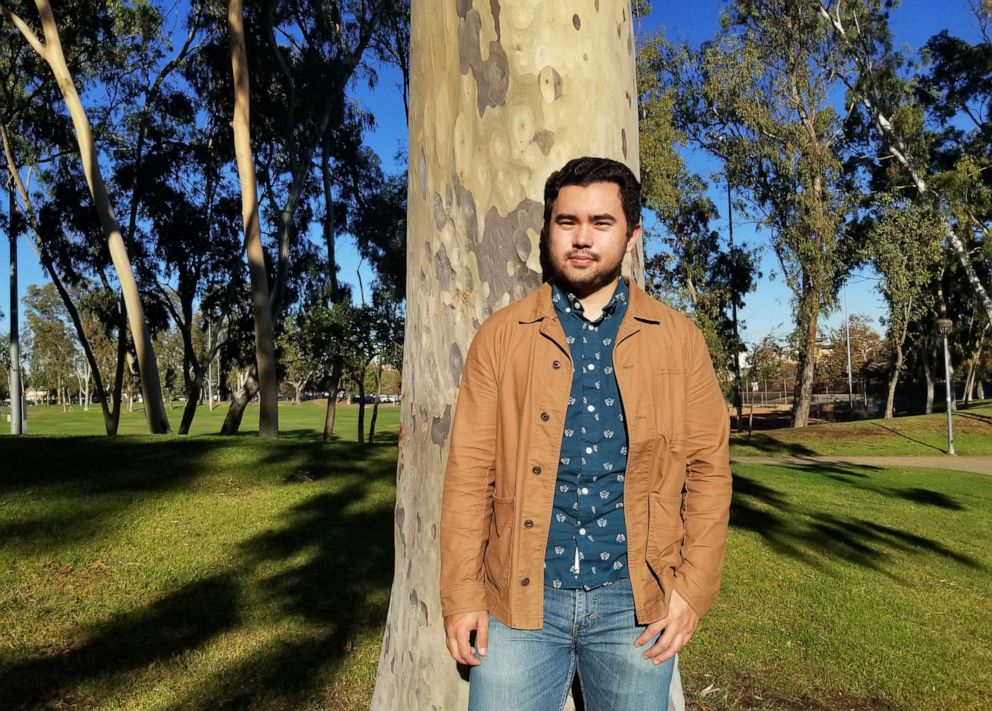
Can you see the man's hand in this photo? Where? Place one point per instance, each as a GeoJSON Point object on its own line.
{"type": "Point", "coordinates": [679, 624]}
{"type": "Point", "coordinates": [457, 630]}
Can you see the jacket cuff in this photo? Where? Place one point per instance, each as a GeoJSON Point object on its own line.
{"type": "Point", "coordinates": [700, 597]}
{"type": "Point", "coordinates": [468, 597]}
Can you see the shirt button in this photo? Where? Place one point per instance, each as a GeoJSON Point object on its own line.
{"type": "Point", "coordinates": [591, 408]}
{"type": "Point", "coordinates": [583, 491]}
{"type": "Point", "coordinates": [536, 470]}
{"type": "Point", "coordinates": [528, 524]}
{"type": "Point", "coordinates": [545, 417]}
{"type": "Point", "coordinates": [556, 365]}
{"type": "Point", "coordinates": [582, 531]}
{"type": "Point", "coordinates": [525, 582]}
{"type": "Point", "coordinates": [591, 366]}
{"type": "Point", "coordinates": [588, 450]}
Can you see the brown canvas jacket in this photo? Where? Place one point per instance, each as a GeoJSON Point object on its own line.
{"type": "Point", "coordinates": [502, 465]}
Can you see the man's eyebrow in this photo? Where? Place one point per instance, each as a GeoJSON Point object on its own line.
{"type": "Point", "coordinates": [604, 217]}
{"type": "Point", "coordinates": [565, 216]}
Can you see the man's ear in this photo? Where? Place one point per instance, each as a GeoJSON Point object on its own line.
{"type": "Point", "coordinates": [632, 239]}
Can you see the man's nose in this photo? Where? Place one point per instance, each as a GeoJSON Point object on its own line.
{"type": "Point", "coordinates": [582, 235]}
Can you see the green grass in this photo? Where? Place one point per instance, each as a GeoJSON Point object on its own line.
{"type": "Point", "coordinates": [150, 573]}
{"type": "Point", "coordinates": [919, 434]}
{"type": "Point", "coordinates": [294, 420]}
{"type": "Point", "coordinates": [851, 587]}
{"type": "Point", "coordinates": [168, 573]}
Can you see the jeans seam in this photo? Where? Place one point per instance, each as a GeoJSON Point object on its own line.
{"type": "Point", "coordinates": [570, 676]}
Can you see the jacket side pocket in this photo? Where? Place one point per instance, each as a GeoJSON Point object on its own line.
{"type": "Point", "coordinates": [665, 533]}
{"type": "Point", "coordinates": [497, 558]}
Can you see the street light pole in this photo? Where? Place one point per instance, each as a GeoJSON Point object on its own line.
{"type": "Point", "coordinates": [944, 327]}
{"type": "Point", "coordinates": [850, 379]}
{"type": "Point", "coordinates": [16, 401]}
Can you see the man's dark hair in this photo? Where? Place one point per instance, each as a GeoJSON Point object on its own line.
{"type": "Point", "coordinates": [587, 170]}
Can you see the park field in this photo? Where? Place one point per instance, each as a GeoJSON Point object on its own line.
{"type": "Point", "coordinates": [202, 572]}
{"type": "Point", "coordinates": [911, 435]}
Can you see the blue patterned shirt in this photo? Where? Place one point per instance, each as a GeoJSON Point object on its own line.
{"type": "Point", "coordinates": [587, 540]}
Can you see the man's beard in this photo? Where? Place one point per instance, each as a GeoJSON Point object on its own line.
{"type": "Point", "coordinates": [590, 279]}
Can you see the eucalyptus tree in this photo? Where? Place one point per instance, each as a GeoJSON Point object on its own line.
{"type": "Point", "coordinates": [499, 97]}
{"type": "Point", "coordinates": [904, 246]}
{"type": "Point", "coordinates": [761, 97]}
{"type": "Point", "coordinates": [956, 87]}
{"type": "Point", "coordinates": [128, 30]}
{"type": "Point", "coordinates": [301, 58]}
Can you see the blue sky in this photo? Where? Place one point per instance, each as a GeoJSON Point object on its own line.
{"type": "Point", "coordinates": [768, 309]}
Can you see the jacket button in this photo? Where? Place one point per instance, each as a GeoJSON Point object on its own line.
{"type": "Point", "coordinates": [536, 470]}
{"type": "Point", "coordinates": [528, 524]}
{"type": "Point", "coordinates": [556, 365]}
{"type": "Point", "coordinates": [545, 417]}
{"type": "Point", "coordinates": [525, 582]}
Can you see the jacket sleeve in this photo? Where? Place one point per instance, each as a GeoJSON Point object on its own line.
{"type": "Point", "coordinates": [469, 480]}
{"type": "Point", "coordinates": [706, 506]}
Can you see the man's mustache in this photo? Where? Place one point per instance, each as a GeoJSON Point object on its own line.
{"type": "Point", "coordinates": [584, 255]}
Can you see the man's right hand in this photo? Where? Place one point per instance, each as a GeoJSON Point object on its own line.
{"type": "Point", "coordinates": [457, 630]}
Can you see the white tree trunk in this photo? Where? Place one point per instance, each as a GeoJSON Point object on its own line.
{"type": "Point", "coordinates": [502, 94]}
{"type": "Point", "coordinates": [265, 357]}
{"type": "Point", "coordinates": [51, 52]}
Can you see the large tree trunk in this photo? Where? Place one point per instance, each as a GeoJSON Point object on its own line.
{"type": "Point", "coordinates": [265, 352]}
{"type": "Point", "coordinates": [485, 132]}
{"type": "Point", "coordinates": [51, 52]}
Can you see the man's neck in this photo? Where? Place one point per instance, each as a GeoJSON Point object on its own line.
{"type": "Point", "coordinates": [594, 302]}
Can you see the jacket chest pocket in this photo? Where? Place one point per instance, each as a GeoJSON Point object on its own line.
{"type": "Point", "coordinates": [668, 396]}
{"type": "Point", "coordinates": [497, 558]}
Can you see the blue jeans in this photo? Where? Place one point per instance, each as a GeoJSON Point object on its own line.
{"type": "Point", "coordinates": [589, 632]}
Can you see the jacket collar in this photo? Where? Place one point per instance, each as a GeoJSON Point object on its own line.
{"type": "Point", "coordinates": [538, 306]}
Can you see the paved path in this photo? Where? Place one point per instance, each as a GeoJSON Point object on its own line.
{"type": "Point", "coordinates": [977, 465]}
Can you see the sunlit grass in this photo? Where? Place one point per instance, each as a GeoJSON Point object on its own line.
{"type": "Point", "coordinates": [918, 434]}
{"type": "Point", "coordinates": [167, 573]}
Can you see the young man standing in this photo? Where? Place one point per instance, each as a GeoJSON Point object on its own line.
{"type": "Point", "coordinates": [587, 489]}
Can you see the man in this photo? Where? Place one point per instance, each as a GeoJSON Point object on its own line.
{"type": "Point", "coordinates": [587, 490]}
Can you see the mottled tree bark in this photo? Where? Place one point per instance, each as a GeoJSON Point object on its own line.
{"type": "Point", "coordinates": [502, 94]}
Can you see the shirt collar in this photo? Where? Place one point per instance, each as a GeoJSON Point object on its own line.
{"type": "Point", "coordinates": [565, 301]}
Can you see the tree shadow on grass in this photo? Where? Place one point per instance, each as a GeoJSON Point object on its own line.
{"type": "Point", "coordinates": [816, 538]}
{"type": "Point", "coordinates": [181, 621]}
{"type": "Point", "coordinates": [975, 416]}
{"type": "Point", "coordinates": [905, 436]}
{"type": "Point", "coordinates": [339, 590]}
{"type": "Point", "coordinates": [770, 445]}
{"type": "Point", "coordinates": [930, 498]}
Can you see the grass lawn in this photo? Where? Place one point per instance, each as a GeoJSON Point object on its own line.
{"type": "Point", "coordinates": [294, 420]}
{"type": "Point", "coordinates": [233, 573]}
{"type": "Point", "coordinates": [919, 434]}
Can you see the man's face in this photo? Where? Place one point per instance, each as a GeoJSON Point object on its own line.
{"type": "Point", "coordinates": [587, 237]}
